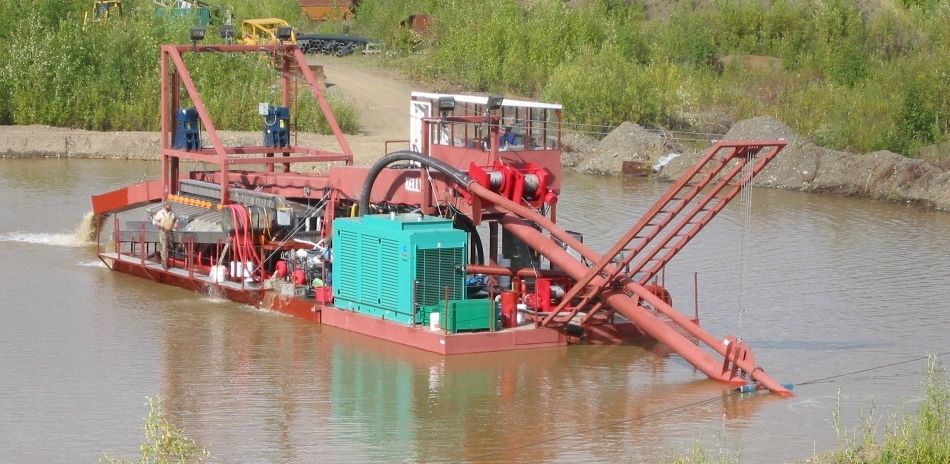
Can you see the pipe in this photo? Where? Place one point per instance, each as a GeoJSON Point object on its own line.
{"type": "Point", "coordinates": [512, 272]}
{"type": "Point", "coordinates": [307, 242]}
{"type": "Point", "coordinates": [619, 299]}
{"type": "Point", "coordinates": [455, 175]}
{"type": "Point", "coordinates": [622, 302]}
{"type": "Point", "coordinates": [465, 223]}
{"type": "Point", "coordinates": [463, 180]}
{"type": "Point", "coordinates": [532, 313]}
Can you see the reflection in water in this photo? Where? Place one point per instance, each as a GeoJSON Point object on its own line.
{"type": "Point", "coordinates": [832, 285]}
{"type": "Point", "coordinates": [371, 401]}
{"type": "Point", "coordinates": [305, 391]}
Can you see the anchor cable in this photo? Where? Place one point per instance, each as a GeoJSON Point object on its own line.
{"type": "Point", "coordinates": [745, 200]}
{"type": "Point", "coordinates": [869, 369]}
{"type": "Point", "coordinates": [682, 407]}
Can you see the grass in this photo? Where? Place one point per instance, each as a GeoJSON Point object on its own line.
{"type": "Point", "coordinates": [850, 79]}
{"type": "Point", "coordinates": [105, 75]}
{"type": "Point", "coordinates": [846, 78]}
{"type": "Point", "coordinates": [921, 438]}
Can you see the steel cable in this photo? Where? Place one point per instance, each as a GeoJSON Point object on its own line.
{"type": "Point", "coordinates": [688, 406]}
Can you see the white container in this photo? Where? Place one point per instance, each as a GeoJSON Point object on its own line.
{"type": "Point", "coordinates": [219, 274]}
{"type": "Point", "coordinates": [434, 322]}
{"type": "Point", "coordinates": [504, 282]}
{"type": "Point", "coordinates": [239, 269]}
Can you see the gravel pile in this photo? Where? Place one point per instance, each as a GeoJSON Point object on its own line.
{"type": "Point", "coordinates": [628, 142]}
{"type": "Point", "coordinates": [805, 166]}
{"type": "Point", "coordinates": [574, 147]}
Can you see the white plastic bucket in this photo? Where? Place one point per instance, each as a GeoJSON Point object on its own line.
{"type": "Point", "coordinates": [239, 269]}
{"type": "Point", "coordinates": [219, 274]}
{"type": "Point", "coordinates": [519, 318]}
{"type": "Point", "coordinates": [434, 322]}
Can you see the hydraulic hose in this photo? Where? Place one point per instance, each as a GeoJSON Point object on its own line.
{"type": "Point", "coordinates": [463, 180]}
{"type": "Point", "coordinates": [465, 223]}
{"type": "Point", "coordinates": [455, 175]}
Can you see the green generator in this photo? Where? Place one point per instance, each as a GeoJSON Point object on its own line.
{"type": "Point", "coordinates": [392, 265]}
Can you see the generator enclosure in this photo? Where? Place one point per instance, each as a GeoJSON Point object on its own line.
{"type": "Point", "coordinates": [391, 266]}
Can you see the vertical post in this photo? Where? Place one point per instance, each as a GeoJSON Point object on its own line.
{"type": "Point", "coordinates": [492, 308]}
{"type": "Point", "coordinates": [493, 243]}
{"type": "Point", "coordinates": [696, 296]}
{"type": "Point", "coordinates": [165, 111]}
{"type": "Point", "coordinates": [491, 313]}
{"type": "Point", "coordinates": [142, 245]}
{"type": "Point", "coordinates": [426, 203]}
{"type": "Point", "coordinates": [493, 122]}
{"type": "Point", "coordinates": [444, 320]}
{"type": "Point", "coordinates": [285, 81]}
{"type": "Point", "coordinates": [115, 234]}
{"type": "Point", "coordinates": [260, 269]}
{"type": "Point", "coordinates": [415, 290]}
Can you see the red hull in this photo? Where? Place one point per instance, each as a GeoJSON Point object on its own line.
{"type": "Point", "coordinates": [420, 337]}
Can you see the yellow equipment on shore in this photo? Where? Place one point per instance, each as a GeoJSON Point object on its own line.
{"type": "Point", "coordinates": [265, 31]}
{"type": "Point", "coordinates": [102, 9]}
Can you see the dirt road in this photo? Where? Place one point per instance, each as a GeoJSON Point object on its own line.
{"type": "Point", "coordinates": [381, 97]}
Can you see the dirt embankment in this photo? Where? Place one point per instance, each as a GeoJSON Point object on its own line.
{"type": "Point", "coordinates": [383, 100]}
{"type": "Point", "coordinates": [802, 165]}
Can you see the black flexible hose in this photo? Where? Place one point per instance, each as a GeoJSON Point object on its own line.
{"type": "Point", "coordinates": [465, 223]}
{"type": "Point", "coordinates": [453, 174]}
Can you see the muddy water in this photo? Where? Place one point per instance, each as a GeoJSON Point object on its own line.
{"type": "Point", "coordinates": [818, 285]}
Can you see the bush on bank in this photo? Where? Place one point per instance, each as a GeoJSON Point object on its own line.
{"type": "Point", "coordinates": [921, 437]}
{"type": "Point", "coordinates": [104, 75]}
{"type": "Point", "coordinates": [849, 78]}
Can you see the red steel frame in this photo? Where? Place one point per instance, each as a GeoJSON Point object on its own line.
{"type": "Point", "coordinates": [174, 74]}
{"type": "Point", "coordinates": [690, 196]}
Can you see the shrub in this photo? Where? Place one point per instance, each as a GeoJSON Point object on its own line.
{"type": "Point", "coordinates": [604, 87]}
{"type": "Point", "coordinates": [164, 442]}
{"type": "Point", "coordinates": [104, 75]}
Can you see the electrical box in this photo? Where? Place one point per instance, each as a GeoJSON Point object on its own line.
{"type": "Point", "coordinates": [187, 130]}
{"type": "Point", "coordinates": [460, 316]}
{"type": "Point", "coordinates": [276, 126]}
{"type": "Point", "coordinates": [392, 266]}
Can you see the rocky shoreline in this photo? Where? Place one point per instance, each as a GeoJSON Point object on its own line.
{"type": "Point", "coordinates": [803, 166]}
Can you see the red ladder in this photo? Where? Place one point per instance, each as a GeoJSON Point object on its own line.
{"type": "Point", "coordinates": [681, 213]}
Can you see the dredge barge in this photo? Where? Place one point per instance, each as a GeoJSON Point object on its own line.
{"type": "Point", "coordinates": [395, 250]}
